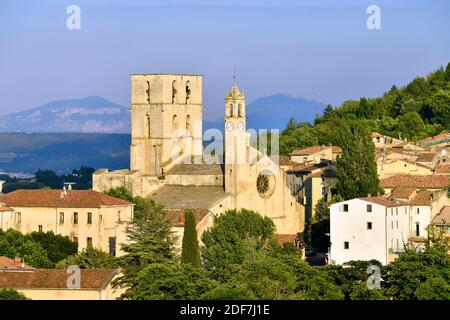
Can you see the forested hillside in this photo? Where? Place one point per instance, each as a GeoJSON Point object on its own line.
{"type": "Point", "coordinates": [413, 112]}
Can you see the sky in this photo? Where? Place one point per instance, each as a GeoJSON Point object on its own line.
{"type": "Point", "coordinates": [315, 49]}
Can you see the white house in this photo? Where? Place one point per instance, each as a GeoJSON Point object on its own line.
{"type": "Point", "coordinates": [368, 228]}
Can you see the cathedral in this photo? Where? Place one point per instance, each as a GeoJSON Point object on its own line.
{"type": "Point", "coordinates": [169, 164]}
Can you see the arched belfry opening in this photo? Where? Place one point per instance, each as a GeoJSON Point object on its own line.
{"type": "Point", "coordinates": [188, 91]}
{"type": "Point", "coordinates": [148, 91]}
{"type": "Point", "coordinates": [231, 110]}
{"type": "Point", "coordinates": [174, 91]}
{"type": "Point", "coordinates": [174, 124]}
{"type": "Point", "coordinates": [240, 110]}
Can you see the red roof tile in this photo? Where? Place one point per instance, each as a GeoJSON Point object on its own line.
{"type": "Point", "coordinates": [384, 202]}
{"type": "Point", "coordinates": [428, 181]}
{"type": "Point", "coordinates": [55, 279]}
{"type": "Point", "coordinates": [443, 217]}
{"type": "Point", "coordinates": [8, 264]}
{"type": "Point", "coordinates": [53, 198]}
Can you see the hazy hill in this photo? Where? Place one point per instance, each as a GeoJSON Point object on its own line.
{"type": "Point", "coordinates": [91, 114]}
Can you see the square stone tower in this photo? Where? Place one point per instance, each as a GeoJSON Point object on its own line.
{"type": "Point", "coordinates": [166, 120]}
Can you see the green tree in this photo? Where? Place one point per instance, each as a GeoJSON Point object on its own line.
{"type": "Point", "coordinates": [160, 281]}
{"type": "Point", "coordinates": [11, 294]}
{"type": "Point", "coordinates": [356, 167]}
{"type": "Point", "coordinates": [58, 247]}
{"type": "Point", "coordinates": [152, 241]}
{"type": "Point", "coordinates": [190, 251]}
{"type": "Point", "coordinates": [14, 244]}
{"type": "Point", "coordinates": [233, 235]}
{"type": "Point", "coordinates": [89, 258]}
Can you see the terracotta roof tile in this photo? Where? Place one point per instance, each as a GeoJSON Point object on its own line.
{"type": "Point", "coordinates": [315, 149]}
{"type": "Point", "coordinates": [443, 217]}
{"type": "Point", "coordinates": [442, 168]}
{"type": "Point", "coordinates": [55, 279]}
{"type": "Point", "coordinates": [422, 198]}
{"type": "Point", "coordinates": [8, 264]}
{"type": "Point", "coordinates": [402, 192]}
{"type": "Point", "coordinates": [426, 157]}
{"type": "Point", "coordinates": [53, 198]}
{"type": "Point", "coordinates": [384, 202]}
{"type": "Point", "coordinates": [426, 181]}
{"type": "Point", "coordinates": [176, 216]}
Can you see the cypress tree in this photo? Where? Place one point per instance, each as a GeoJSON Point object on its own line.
{"type": "Point", "coordinates": [190, 253]}
{"type": "Point", "coordinates": [356, 167]}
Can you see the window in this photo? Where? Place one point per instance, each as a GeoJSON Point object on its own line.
{"type": "Point", "coordinates": [417, 229]}
{"type": "Point", "coordinates": [240, 110]}
{"type": "Point", "coordinates": [231, 113]}
{"type": "Point", "coordinates": [112, 245]}
{"type": "Point", "coordinates": [61, 218]}
{"type": "Point", "coordinates": [346, 245]}
{"type": "Point", "coordinates": [18, 217]}
{"type": "Point", "coordinates": [89, 218]}
{"type": "Point", "coordinates": [345, 207]}
{"type": "Point", "coordinates": [418, 211]}
{"type": "Point", "coordinates": [118, 216]}
{"type": "Point", "coordinates": [148, 91]}
{"type": "Point", "coordinates": [75, 239]}
{"type": "Point", "coordinates": [147, 125]}
{"type": "Point", "coordinates": [392, 224]}
{"type": "Point", "coordinates": [396, 211]}
{"type": "Point", "coordinates": [398, 247]}
{"type": "Point", "coordinates": [369, 208]}
{"type": "Point", "coordinates": [75, 218]}
{"type": "Point", "coordinates": [101, 219]}
{"type": "Point", "coordinates": [188, 125]}
{"type": "Point", "coordinates": [40, 228]}
{"type": "Point", "coordinates": [89, 241]}
{"type": "Point", "coordinates": [396, 223]}
{"type": "Point", "coordinates": [369, 225]}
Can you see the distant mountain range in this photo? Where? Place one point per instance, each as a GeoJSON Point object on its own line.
{"type": "Point", "coordinates": [98, 115]}
{"type": "Point", "coordinates": [91, 114]}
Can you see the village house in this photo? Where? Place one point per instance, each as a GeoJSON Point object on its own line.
{"type": "Point", "coordinates": [85, 216]}
{"type": "Point", "coordinates": [429, 182]}
{"type": "Point", "coordinates": [315, 154]}
{"type": "Point", "coordinates": [402, 167]}
{"type": "Point", "coordinates": [57, 284]}
{"type": "Point", "coordinates": [379, 227]}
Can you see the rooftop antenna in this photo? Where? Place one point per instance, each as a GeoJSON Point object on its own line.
{"type": "Point", "coordinates": [68, 185]}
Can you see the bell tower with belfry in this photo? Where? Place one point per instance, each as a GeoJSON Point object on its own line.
{"type": "Point", "coordinates": [166, 120]}
{"type": "Point", "coordinates": [236, 138]}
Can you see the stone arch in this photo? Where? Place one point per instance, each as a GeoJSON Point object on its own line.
{"type": "Point", "coordinates": [174, 91]}
{"type": "Point", "coordinates": [174, 124]}
{"type": "Point", "coordinates": [188, 91]}
{"type": "Point", "coordinates": [231, 110]}
{"type": "Point", "coordinates": [240, 110]}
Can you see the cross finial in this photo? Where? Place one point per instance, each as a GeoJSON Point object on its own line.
{"type": "Point", "coordinates": [234, 74]}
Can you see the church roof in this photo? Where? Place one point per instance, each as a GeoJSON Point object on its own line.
{"type": "Point", "coordinates": [188, 197]}
{"type": "Point", "coordinates": [196, 169]}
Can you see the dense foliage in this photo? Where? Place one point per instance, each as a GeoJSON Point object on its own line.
{"type": "Point", "coordinates": [11, 294]}
{"type": "Point", "coordinates": [418, 110]}
{"type": "Point", "coordinates": [89, 258]}
{"type": "Point", "coordinates": [38, 249]}
{"type": "Point", "coordinates": [190, 252]}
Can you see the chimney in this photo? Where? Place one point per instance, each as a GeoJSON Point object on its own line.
{"type": "Point", "coordinates": [18, 262]}
{"type": "Point", "coordinates": [182, 219]}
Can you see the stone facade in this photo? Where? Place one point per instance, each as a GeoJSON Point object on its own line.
{"type": "Point", "coordinates": [166, 112]}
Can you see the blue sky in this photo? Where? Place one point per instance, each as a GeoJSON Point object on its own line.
{"type": "Point", "coordinates": [315, 49]}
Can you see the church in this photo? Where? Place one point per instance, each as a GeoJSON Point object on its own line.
{"type": "Point", "coordinates": [170, 165]}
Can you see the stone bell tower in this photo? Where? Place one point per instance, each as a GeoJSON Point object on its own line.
{"type": "Point", "coordinates": [236, 138]}
{"type": "Point", "coordinates": [166, 120]}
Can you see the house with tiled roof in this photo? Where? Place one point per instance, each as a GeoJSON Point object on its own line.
{"type": "Point", "coordinates": [60, 284]}
{"type": "Point", "coordinates": [315, 154]}
{"type": "Point", "coordinates": [387, 169]}
{"type": "Point", "coordinates": [367, 228]}
{"type": "Point", "coordinates": [430, 182]}
{"type": "Point", "coordinates": [13, 265]}
{"type": "Point", "coordinates": [87, 217]}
